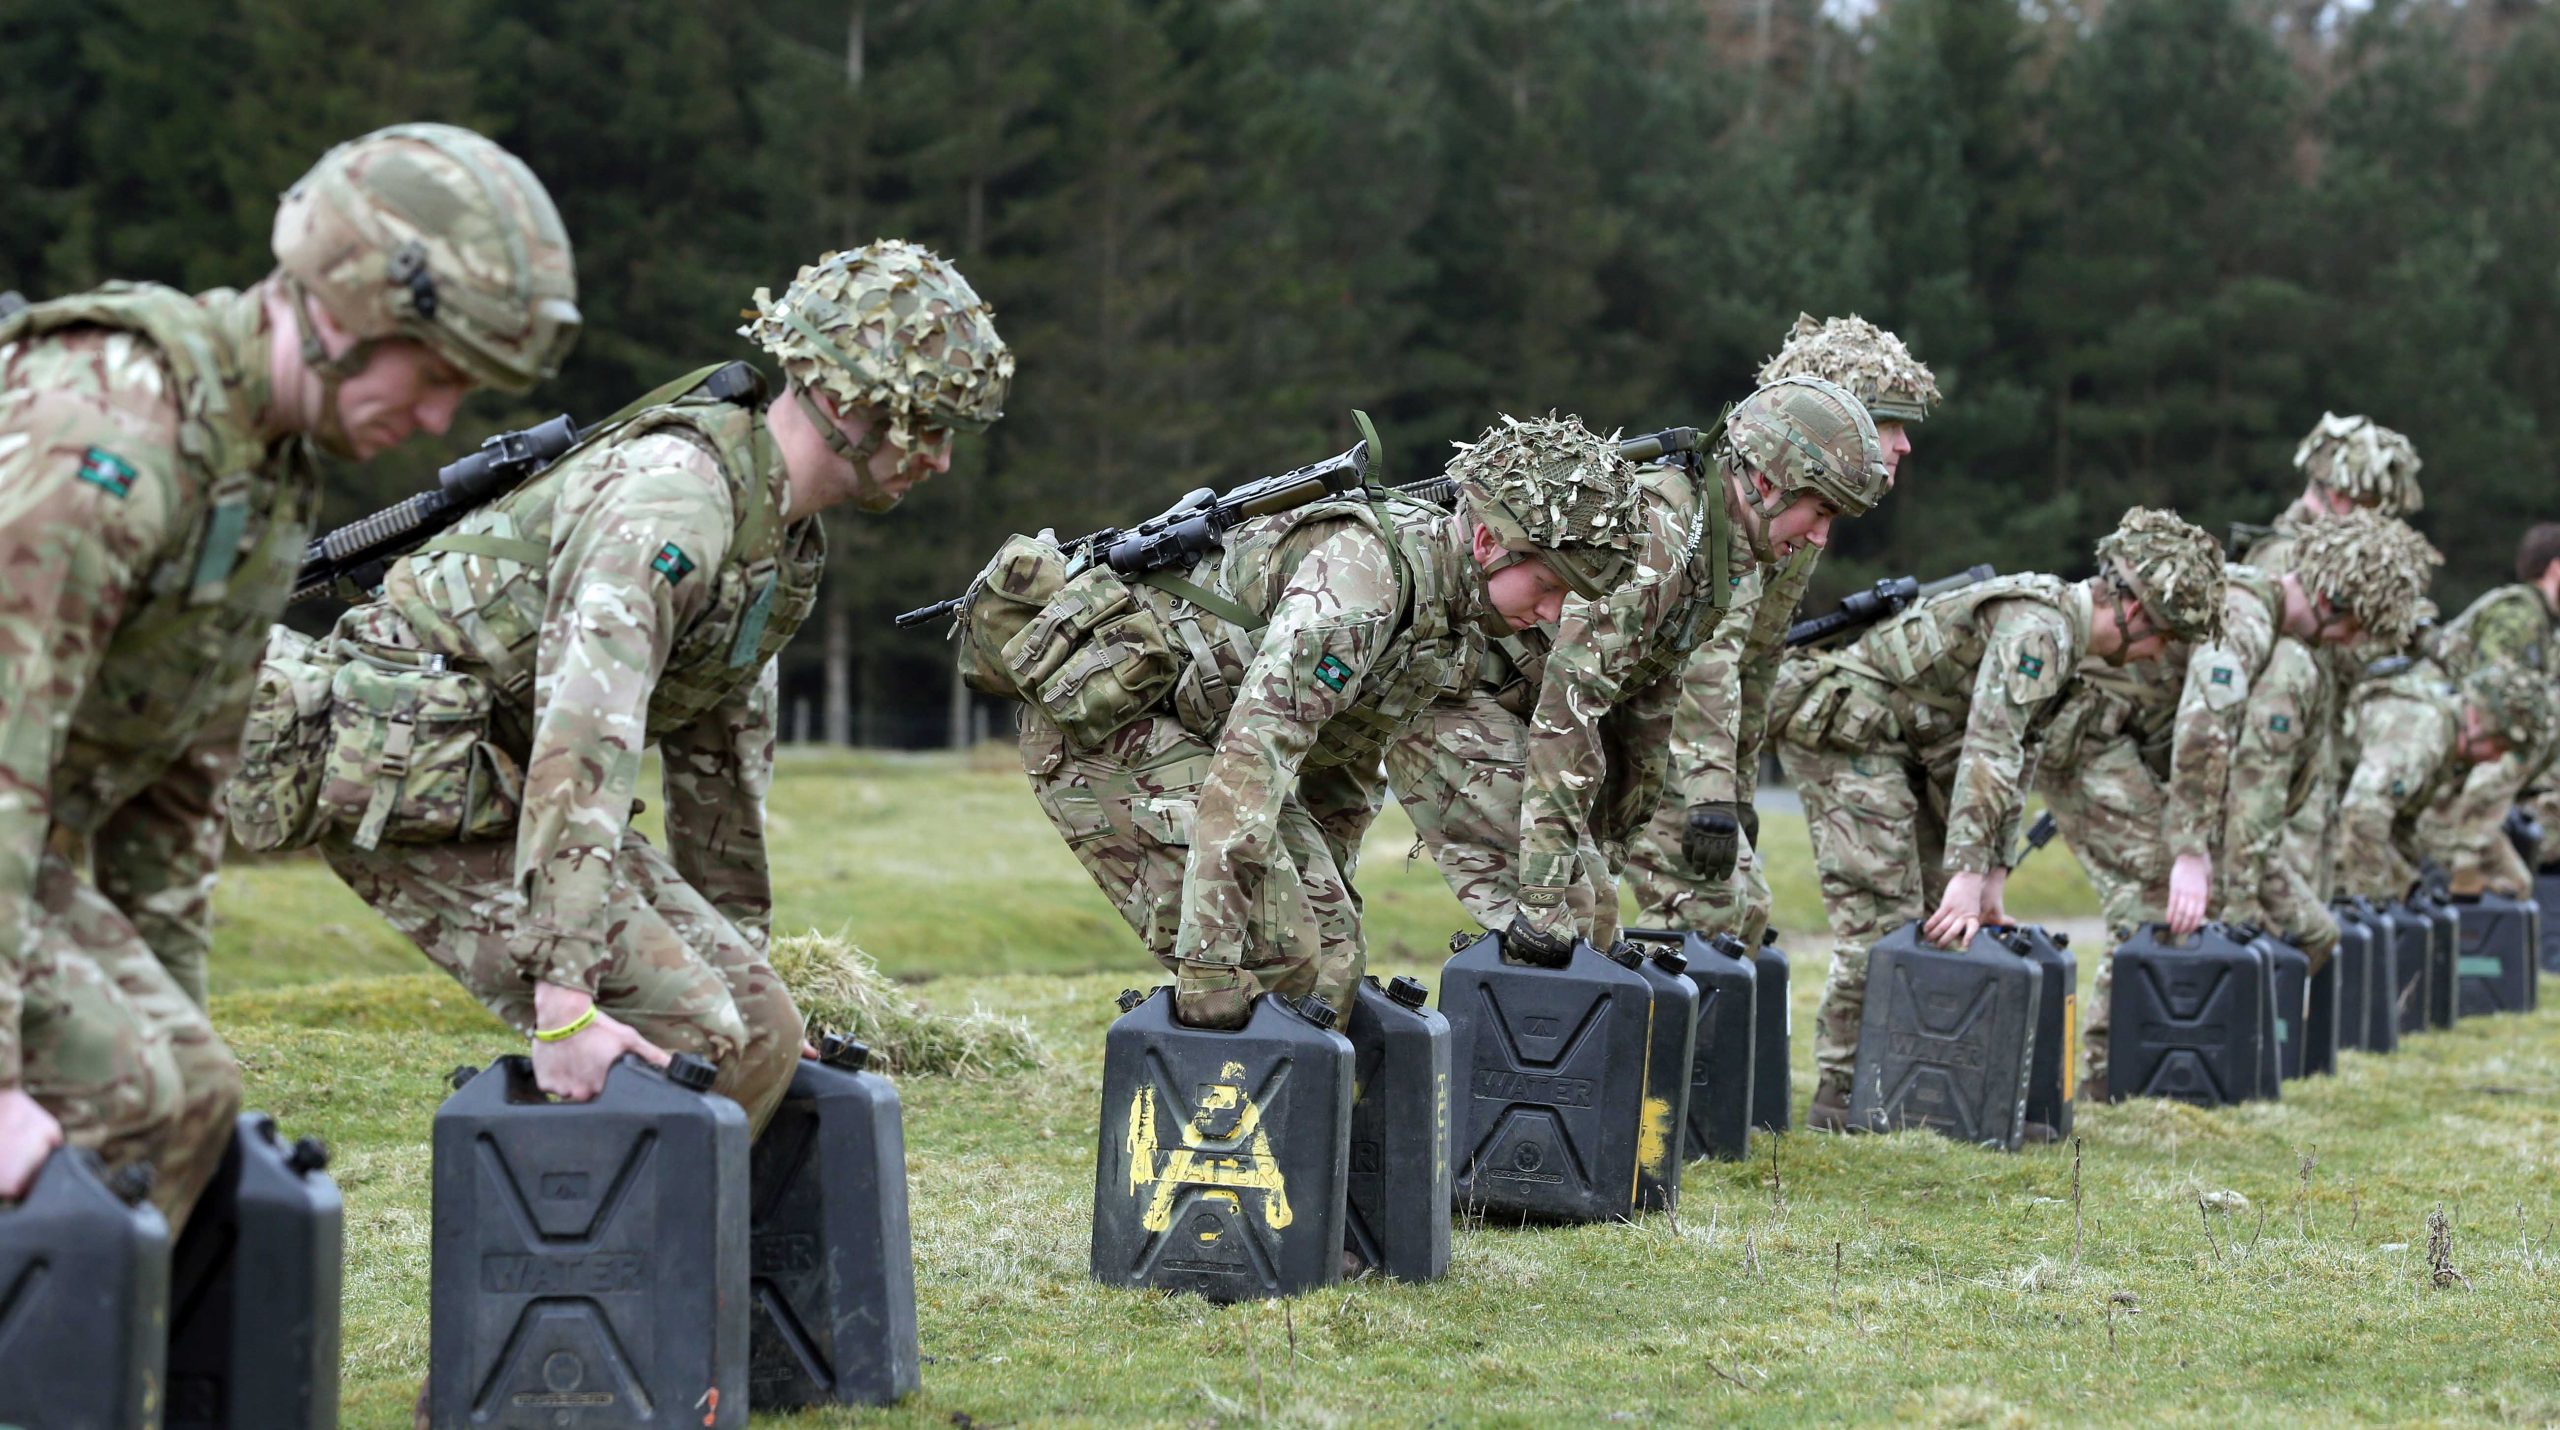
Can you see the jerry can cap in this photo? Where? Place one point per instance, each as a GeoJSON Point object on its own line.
{"type": "Point", "coordinates": [1129, 999]}
{"type": "Point", "coordinates": [1730, 946]}
{"type": "Point", "coordinates": [1407, 991]}
{"type": "Point", "coordinates": [1768, 937]}
{"type": "Point", "coordinates": [1314, 1009]}
{"type": "Point", "coordinates": [131, 1183]}
{"type": "Point", "coordinates": [688, 1071]}
{"type": "Point", "coordinates": [1625, 954]}
{"type": "Point", "coordinates": [839, 1051]}
{"type": "Point", "coordinates": [309, 1155]}
{"type": "Point", "coordinates": [461, 1077]}
{"type": "Point", "coordinates": [1671, 961]}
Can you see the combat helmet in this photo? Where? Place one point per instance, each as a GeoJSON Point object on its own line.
{"type": "Point", "coordinates": [2514, 703]}
{"type": "Point", "coordinates": [1548, 489]}
{"type": "Point", "coordinates": [434, 233]}
{"type": "Point", "coordinates": [894, 328]}
{"type": "Point", "coordinates": [2374, 567]}
{"type": "Point", "coordinates": [1806, 434]}
{"type": "Point", "coordinates": [1858, 355]}
{"type": "Point", "coordinates": [2172, 566]}
{"type": "Point", "coordinates": [2363, 461]}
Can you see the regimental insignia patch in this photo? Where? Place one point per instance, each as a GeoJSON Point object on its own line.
{"type": "Point", "coordinates": [104, 469]}
{"type": "Point", "coordinates": [2222, 675]}
{"type": "Point", "coordinates": [2280, 723]}
{"type": "Point", "coordinates": [2031, 666]}
{"type": "Point", "coordinates": [1333, 672]}
{"type": "Point", "coordinates": [672, 563]}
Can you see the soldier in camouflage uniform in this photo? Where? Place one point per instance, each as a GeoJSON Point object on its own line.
{"type": "Point", "coordinates": [1222, 808]}
{"type": "Point", "coordinates": [2412, 738]}
{"type": "Point", "coordinates": [1721, 723]}
{"type": "Point", "coordinates": [155, 455]}
{"type": "Point", "coordinates": [1912, 745]}
{"type": "Point", "coordinates": [2514, 625]}
{"type": "Point", "coordinates": [2241, 756]}
{"type": "Point", "coordinates": [479, 755]}
{"type": "Point", "coordinates": [1524, 784]}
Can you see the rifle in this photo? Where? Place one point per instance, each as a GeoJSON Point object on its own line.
{"type": "Point", "coordinates": [2039, 834]}
{"type": "Point", "coordinates": [1887, 598]}
{"type": "Point", "coordinates": [1652, 447]}
{"type": "Point", "coordinates": [362, 550]}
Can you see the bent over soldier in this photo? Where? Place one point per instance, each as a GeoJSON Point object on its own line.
{"type": "Point", "coordinates": [156, 488]}
{"type": "Point", "coordinates": [1912, 745]}
{"type": "Point", "coordinates": [1686, 880]}
{"type": "Point", "coordinates": [475, 775]}
{"type": "Point", "coordinates": [2412, 737]}
{"type": "Point", "coordinates": [1526, 781]}
{"type": "Point", "coordinates": [1220, 802]}
{"type": "Point", "coordinates": [2517, 625]}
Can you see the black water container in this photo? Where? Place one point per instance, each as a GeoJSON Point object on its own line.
{"type": "Point", "coordinates": [831, 1311]}
{"type": "Point", "coordinates": [2546, 895]}
{"type": "Point", "coordinates": [2378, 1029]}
{"type": "Point", "coordinates": [2189, 1019]}
{"type": "Point", "coordinates": [2443, 960]}
{"type": "Point", "coordinates": [1772, 1078]}
{"type": "Point", "coordinates": [84, 1298]}
{"type": "Point", "coordinates": [2359, 941]}
{"type": "Point", "coordinates": [2326, 1032]}
{"type": "Point", "coordinates": [253, 1299]}
{"type": "Point", "coordinates": [1947, 1040]}
{"type": "Point", "coordinates": [2050, 1082]}
{"type": "Point", "coordinates": [2413, 958]}
{"type": "Point", "coordinates": [1550, 1065]}
{"type": "Point", "coordinates": [2289, 984]}
{"type": "Point", "coordinates": [1670, 1061]}
{"type": "Point", "coordinates": [1397, 1206]}
{"type": "Point", "coordinates": [1722, 1071]}
{"type": "Point", "coordinates": [1224, 1151]}
{"type": "Point", "coordinates": [2494, 967]}
{"type": "Point", "coordinates": [590, 1258]}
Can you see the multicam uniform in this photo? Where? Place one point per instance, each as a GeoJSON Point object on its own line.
{"type": "Point", "coordinates": [2405, 736]}
{"type": "Point", "coordinates": [2512, 625]}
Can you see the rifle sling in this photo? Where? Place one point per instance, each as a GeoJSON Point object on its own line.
{"type": "Point", "coordinates": [1231, 612]}
{"type": "Point", "coordinates": [504, 548]}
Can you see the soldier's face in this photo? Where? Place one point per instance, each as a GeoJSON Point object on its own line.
{"type": "Point", "coordinates": [900, 470]}
{"type": "Point", "coordinates": [1524, 593]}
{"type": "Point", "coordinates": [1895, 437]}
{"type": "Point", "coordinates": [402, 390]}
{"type": "Point", "coordinates": [1806, 521]}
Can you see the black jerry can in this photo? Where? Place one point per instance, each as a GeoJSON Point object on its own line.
{"type": "Point", "coordinates": [1224, 1151]}
{"type": "Point", "coordinates": [254, 1281]}
{"type": "Point", "coordinates": [2381, 1021]}
{"type": "Point", "coordinates": [2323, 1030]}
{"type": "Point", "coordinates": [84, 1299]}
{"type": "Point", "coordinates": [1722, 1071]}
{"type": "Point", "coordinates": [2190, 1020]}
{"type": "Point", "coordinates": [2413, 958]}
{"type": "Point", "coordinates": [2494, 968]}
{"type": "Point", "coordinates": [2359, 942]}
{"type": "Point", "coordinates": [2051, 1082]}
{"type": "Point", "coordinates": [1947, 1040]}
{"type": "Point", "coordinates": [1397, 1206]}
{"type": "Point", "coordinates": [1772, 1079]}
{"type": "Point", "coordinates": [1671, 1056]}
{"type": "Point", "coordinates": [1550, 1066]}
{"type": "Point", "coordinates": [831, 1289]}
{"type": "Point", "coordinates": [2546, 897]}
{"type": "Point", "coordinates": [590, 1258]}
{"type": "Point", "coordinates": [2289, 1006]}
{"type": "Point", "coordinates": [2444, 962]}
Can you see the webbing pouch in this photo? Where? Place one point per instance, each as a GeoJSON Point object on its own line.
{"type": "Point", "coordinates": [410, 760]}
{"type": "Point", "coordinates": [273, 799]}
{"type": "Point", "coordinates": [1007, 596]}
{"type": "Point", "coordinates": [1094, 658]}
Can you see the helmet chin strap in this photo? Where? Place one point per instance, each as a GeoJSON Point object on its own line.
{"type": "Point", "coordinates": [327, 427]}
{"type": "Point", "coordinates": [868, 494]}
{"type": "Point", "coordinates": [1755, 516]}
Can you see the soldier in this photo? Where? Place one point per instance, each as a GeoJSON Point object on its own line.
{"type": "Point", "coordinates": [1223, 813]}
{"type": "Point", "coordinates": [2413, 736]}
{"type": "Point", "coordinates": [1521, 782]}
{"type": "Point", "coordinates": [2244, 752]}
{"type": "Point", "coordinates": [2515, 625]}
{"type": "Point", "coordinates": [1911, 744]}
{"type": "Point", "coordinates": [1721, 723]}
{"type": "Point", "coordinates": [493, 701]}
{"type": "Point", "coordinates": [155, 449]}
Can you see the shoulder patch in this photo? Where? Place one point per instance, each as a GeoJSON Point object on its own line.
{"type": "Point", "coordinates": [1333, 672]}
{"type": "Point", "coordinates": [2280, 723]}
{"type": "Point", "coordinates": [2225, 685]}
{"type": "Point", "coordinates": [672, 563]}
{"type": "Point", "coordinates": [102, 468]}
{"type": "Point", "coordinates": [2034, 670]}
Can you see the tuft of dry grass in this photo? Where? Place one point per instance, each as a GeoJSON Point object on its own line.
{"type": "Point", "coordinates": [841, 990]}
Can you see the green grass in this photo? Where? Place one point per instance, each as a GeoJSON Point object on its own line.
{"type": "Point", "coordinates": [1868, 1279]}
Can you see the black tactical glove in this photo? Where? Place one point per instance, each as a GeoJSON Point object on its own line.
{"type": "Point", "coordinates": [1711, 842]}
{"type": "Point", "coordinates": [1524, 943]}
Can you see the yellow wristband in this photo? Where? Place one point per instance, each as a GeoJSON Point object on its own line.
{"type": "Point", "coordinates": [570, 1029]}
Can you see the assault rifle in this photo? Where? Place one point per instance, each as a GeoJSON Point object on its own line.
{"type": "Point", "coordinates": [1193, 527]}
{"type": "Point", "coordinates": [1652, 447]}
{"type": "Point", "coordinates": [1885, 599]}
{"type": "Point", "coordinates": [362, 550]}
{"type": "Point", "coordinates": [2039, 834]}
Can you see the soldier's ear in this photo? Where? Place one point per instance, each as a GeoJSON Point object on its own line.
{"type": "Point", "coordinates": [1487, 547]}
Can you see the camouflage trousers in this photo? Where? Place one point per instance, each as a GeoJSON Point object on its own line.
{"type": "Point", "coordinates": [2113, 812]}
{"type": "Point", "coordinates": [1460, 772]}
{"type": "Point", "coordinates": [1716, 691]}
{"type": "Point", "coordinates": [1879, 843]}
{"type": "Point", "coordinates": [681, 975]}
{"type": "Point", "coordinates": [116, 1050]}
{"type": "Point", "coordinates": [1126, 812]}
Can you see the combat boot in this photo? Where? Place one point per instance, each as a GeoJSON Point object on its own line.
{"type": "Point", "coordinates": [1829, 1113]}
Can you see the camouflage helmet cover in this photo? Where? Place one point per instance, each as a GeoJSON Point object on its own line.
{"type": "Point", "coordinates": [2514, 702]}
{"type": "Point", "coordinates": [1807, 433]}
{"type": "Point", "coordinates": [434, 233]}
{"type": "Point", "coordinates": [2363, 461]}
{"type": "Point", "coordinates": [2373, 566]}
{"type": "Point", "coordinates": [893, 327]}
{"type": "Point", "coordinates": [1858, 355]}
{"type": "Point", "coordinates": [2172, 566]}
{"type": "Point", "coordinates": [1547, 487]}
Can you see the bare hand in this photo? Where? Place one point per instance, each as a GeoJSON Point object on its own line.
{"type": "Point", "coordinates": [28, 1135]}
{"type": "Point", "coordinates": [1994, 912]}
{"type": "Point", "coordinates": [1959, 915]}
{"type": "Point", "coordinates": [2190, 886]}
{"type": "Point", "coordinates": [573, 1069]}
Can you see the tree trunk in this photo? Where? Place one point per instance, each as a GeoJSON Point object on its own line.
{"type": "Point", "coordinates": [838, 657]}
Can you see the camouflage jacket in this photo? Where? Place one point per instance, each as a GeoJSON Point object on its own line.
{"type": "Point", "coordinates": [1357, 619]}
{"type": "Point", "coordinates": [150, 537]}
{"type": "Point", "coordinates": [2404, 743]}
{"type": "Point", "coordinates": [2278, 758]}
{"type": "Point", "coordinates": [2511, 625]}
{"type": "Point", "coordinates": [2218, 680]}
{"type": "Point", "coordinates": [2270, 548]}
{"type": "Point", "coordinates": [633, 594]}
{"type": "Point", "coordinates": [1599, 731]}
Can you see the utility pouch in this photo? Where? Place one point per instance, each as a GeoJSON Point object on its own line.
{"type": "Point", "coordinates": [273, 801]}
{"type": "Point", "coordinates": [1094, 658]}
{"type": "Point", "coordinates": [1010, 593]}
{"type": "Point", "coordinates": [1904, 649]}
{"type": "Point", "coordinates": [410, 760]}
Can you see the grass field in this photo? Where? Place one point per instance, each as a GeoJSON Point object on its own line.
{"type": "Point", "coordinates": [1868, 1279]}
